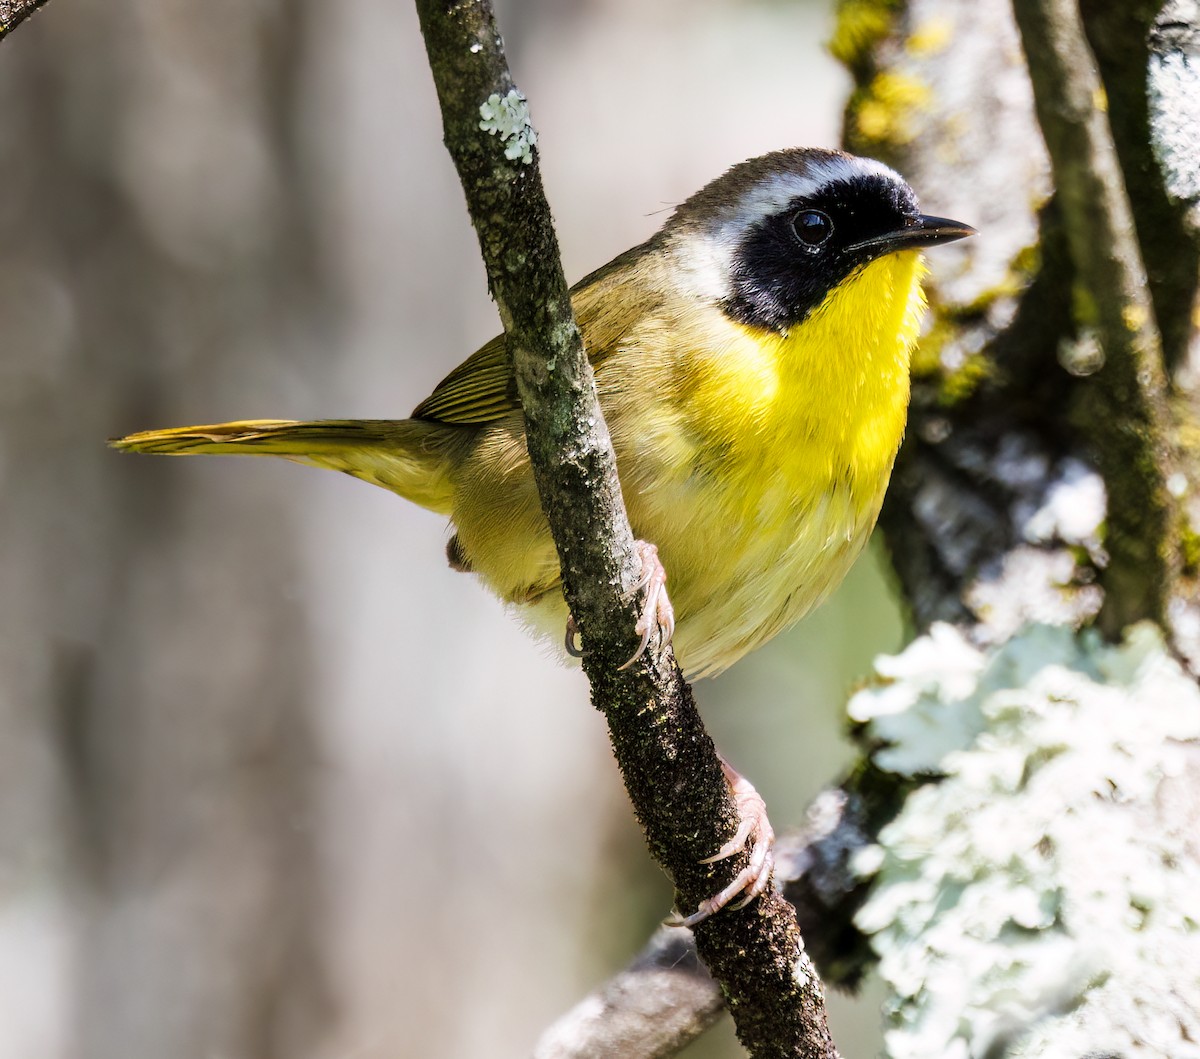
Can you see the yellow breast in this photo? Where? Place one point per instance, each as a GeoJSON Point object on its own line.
{"type": "Point", "coordinates": [763, 485]}
{"type": "Point", "coordinates": [827, 402]}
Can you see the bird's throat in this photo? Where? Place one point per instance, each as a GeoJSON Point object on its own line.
{"type": "Point", "coordinates": [825, 404]}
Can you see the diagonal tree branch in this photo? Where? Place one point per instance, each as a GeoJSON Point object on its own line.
{"type": "Point", "coordinates": [668, 761]}
{"type": "Point", "coordinates": [662, 1001]}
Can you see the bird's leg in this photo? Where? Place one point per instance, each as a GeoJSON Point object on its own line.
{"type": "Point", "coordinates": [657, 612]}
{"type": "Point", "coordinates": [754, 828]}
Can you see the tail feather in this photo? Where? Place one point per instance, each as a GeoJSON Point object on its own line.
{"type": "Point", "coordinates": [262, 437]}
{"type": "Point", "coordinates": [411, 457]}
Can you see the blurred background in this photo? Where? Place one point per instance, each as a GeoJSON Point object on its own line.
{"type": "Point", "coordinates": [274, 781]}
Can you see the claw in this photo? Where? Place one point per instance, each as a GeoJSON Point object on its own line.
{"type": "Point", "coordinates": [753, 827]}
{"type": "Point", "coordinates": [572, 639]}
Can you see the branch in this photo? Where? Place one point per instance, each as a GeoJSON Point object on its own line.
{"type": "Point", "coordinates": [14, 12]}
{"type": "Point", "coordinates": [663, 1000]}
{"type": "Point", "coordinates": [1147, 63]}
{"type": "Point", "coordinates": [1126, 422]}
{"type": "Point", "coordinates": [667, 759]}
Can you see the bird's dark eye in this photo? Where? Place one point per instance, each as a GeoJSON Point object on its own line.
{"type": "Point", "coordinates": [813, 228]}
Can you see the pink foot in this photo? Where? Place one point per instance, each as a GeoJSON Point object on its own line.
{"type": "Point", "coordinates": [657, 613]}
{"type": "Point", "coordinates": [754, 827]}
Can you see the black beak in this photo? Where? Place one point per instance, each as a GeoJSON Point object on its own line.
{"type": "Point", "coordinates": [917, 232]}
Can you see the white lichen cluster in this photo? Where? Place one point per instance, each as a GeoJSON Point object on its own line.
{"type": "Point", "coordinates": [1071, 509]}
{"type": "Point", "coordinates": [508, 117]}
{"type": "Point", "coordinates": [1173, 82]}
{"type": "Point", "coordinates": [1041, 899]}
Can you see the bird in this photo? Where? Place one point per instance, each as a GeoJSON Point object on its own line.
{"type": "Point", "coordinates": [751, 360]}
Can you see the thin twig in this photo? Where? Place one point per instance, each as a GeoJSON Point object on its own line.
{"type": "Point", "coordinates": [14, 12]}
{"type": "Point", "coordinates": [668, 761]}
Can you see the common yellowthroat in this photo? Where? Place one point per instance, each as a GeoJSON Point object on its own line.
{"type": "Point", "coordinates": [752, 364]}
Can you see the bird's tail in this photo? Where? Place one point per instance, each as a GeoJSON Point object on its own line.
{"type": "Point", "coordinates": [412, 457]}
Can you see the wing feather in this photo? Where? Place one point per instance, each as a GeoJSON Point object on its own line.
{"type": "Point", "coordinates": [482, 389]}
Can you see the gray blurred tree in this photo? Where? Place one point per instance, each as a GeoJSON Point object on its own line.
{"type": "Point", "coordinates": [156, 738]}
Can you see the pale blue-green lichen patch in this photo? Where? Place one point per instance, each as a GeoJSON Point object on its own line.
{"type": "Point", "coordinates": [1040, 899]}
{"type": "Point", "coordinates": [508, 117]}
